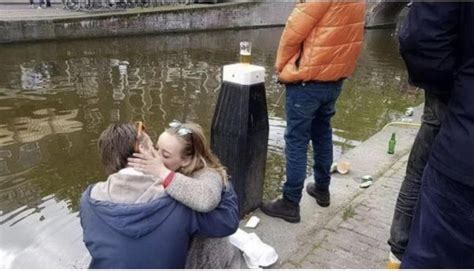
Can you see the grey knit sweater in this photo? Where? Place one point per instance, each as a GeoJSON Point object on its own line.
{"type": "Point", "coordinates": [202, 192]}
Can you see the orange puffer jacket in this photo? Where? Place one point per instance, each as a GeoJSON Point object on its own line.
{"type": "Point", "coordinates": [321, 41]}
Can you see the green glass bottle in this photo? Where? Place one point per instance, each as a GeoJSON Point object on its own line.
{"type": "Point", "coordinates": [391, 144]}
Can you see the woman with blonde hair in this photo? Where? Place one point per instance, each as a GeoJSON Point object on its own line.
{"type": "Point", "coordinates": [194, 176]}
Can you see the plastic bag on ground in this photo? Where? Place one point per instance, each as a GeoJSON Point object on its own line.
{"type": "Point", "coordinates": [256, 252]}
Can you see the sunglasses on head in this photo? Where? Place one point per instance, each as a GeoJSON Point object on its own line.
{"type": "Point", "coordinates": [180, 129]}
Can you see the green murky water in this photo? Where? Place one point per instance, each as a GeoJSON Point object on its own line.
{"type": "Point", "coordinates": [56, 98]}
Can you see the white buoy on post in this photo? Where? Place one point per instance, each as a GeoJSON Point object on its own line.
{"type": "Point", "coordinates": [239, 135]}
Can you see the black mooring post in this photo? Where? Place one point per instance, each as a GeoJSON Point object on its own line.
{"type": "Point", "coordinates": [239, 135]}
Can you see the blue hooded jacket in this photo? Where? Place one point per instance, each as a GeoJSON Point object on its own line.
{"type": "Point", "coordinates": [437, 44]}
{"type": "Point", "coordinates": [428, 45]}
{"type": "Point", "coordinates": [150, 235]}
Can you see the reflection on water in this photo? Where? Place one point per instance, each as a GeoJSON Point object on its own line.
{"type": "Point", "coordinates": [56, 98]}
{"type": "Point", "coordinates": [43, 122]}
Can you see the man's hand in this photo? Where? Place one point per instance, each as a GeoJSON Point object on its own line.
{"type": "Point", "coordinates": [148, 164]}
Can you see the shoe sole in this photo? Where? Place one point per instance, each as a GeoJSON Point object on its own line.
{"type": "Point", "coordinates": [320, 203]}
{"type": "Point", "coordinates": [286, 218]}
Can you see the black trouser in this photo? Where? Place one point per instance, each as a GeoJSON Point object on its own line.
{"type": "Point", "coordinates": [442, 234]}
{"type": "Point", "coordinates": [433, 113]}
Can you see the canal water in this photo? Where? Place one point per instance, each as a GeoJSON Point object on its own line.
{"type": "Point", "coordinates": [57, 97]}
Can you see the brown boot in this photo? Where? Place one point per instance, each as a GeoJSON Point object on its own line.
{"type": "Point", "coordinates": [393, 262]}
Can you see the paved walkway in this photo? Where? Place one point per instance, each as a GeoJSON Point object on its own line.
{"type": "Point", "coordinates": [353, 231]}
{"type": "Point", "coordinates": [22, 12]}
{"type": "Point", "coordinates": [357, 236]}
{"type": "Point", "coordinates": [25, 12]}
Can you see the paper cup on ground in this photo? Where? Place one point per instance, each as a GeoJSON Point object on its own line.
{"type": "Point", "coordinates": [343, 167]}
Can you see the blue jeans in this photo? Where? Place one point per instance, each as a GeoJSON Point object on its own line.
{"type": "Point", "coordinates": [433, 115]}
{"type": "Point", "coordinates": [309, 108]}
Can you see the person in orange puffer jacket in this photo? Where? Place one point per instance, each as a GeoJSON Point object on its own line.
{"type": "Point", "coordinates": [317, 51]}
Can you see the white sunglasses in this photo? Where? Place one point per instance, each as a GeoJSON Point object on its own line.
{"type": "Point", "coordinates": [180, 129]}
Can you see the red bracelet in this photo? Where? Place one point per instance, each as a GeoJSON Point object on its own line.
{"type": "Point", "coordinates": [168, 179]}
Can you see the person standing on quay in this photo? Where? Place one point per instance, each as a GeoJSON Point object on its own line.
{"type": "Point", "coordinates": [442, 234]}
{"type": "Point", "coordinates": [317, 51]}
{"type": "Point", "coordinates": [438, 59]}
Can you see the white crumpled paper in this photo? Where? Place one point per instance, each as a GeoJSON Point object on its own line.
{"type": "Point", "coordinates": [253, 222]}
{"type": "Point", "coordinates": [256, 252]}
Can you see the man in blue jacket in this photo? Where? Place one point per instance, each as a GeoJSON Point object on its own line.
{"type": "Point", "coordinates": [438, 59]}
{"type": "Point", "coordinates": [439, 53]}
{"type": "Point", "coordinates": [129, 222]}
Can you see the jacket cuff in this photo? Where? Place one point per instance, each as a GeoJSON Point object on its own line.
{"type": "Point", "coordinates": [168, 179]}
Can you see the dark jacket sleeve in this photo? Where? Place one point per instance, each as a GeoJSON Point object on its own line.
{"type": "Point", "coordinates": [428, 44]}
{"type": "Point", "coordinates": [222, 221]}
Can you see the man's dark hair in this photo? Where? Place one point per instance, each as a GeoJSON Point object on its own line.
{"type": "Point", "coordinates": [116, 144]}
